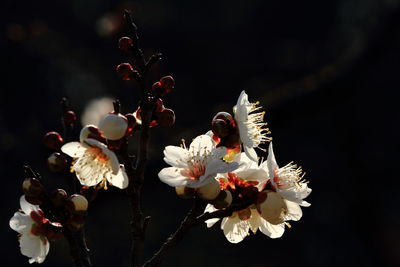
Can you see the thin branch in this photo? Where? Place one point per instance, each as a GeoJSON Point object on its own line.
{"type": "Point", "coordinates": [189, 221]}
{"type": "Point", "coordinates": [192, 219]}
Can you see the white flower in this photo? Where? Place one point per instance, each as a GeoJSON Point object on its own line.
{"type": "Point", "coordinates": [251, 125]}
{"type": "Point", "coordinates": [27, 223]}
{"type": "Point", "coordinates": [236, 229]}
{"type": "Point", "coordinates": [288, 180]}
{"type": "Point", "coordinates": [196, 166]}
{"type": "Point", "coordinates": [95, 163]}
{"type": "Point", "coordinates": [237, 226]}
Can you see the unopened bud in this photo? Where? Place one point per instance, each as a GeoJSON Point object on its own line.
{"type": "Point", "coordinates": [209, 191]}
{"type": "Point", "coordinates": [57, 162]}
{"type": "Point", "coordinates": [273, 208]}
{"type": "Point", "coordinates": [69, 117]}
{"type": "Point", "coordinates": [125, 43]}
{"type": "Point", "coordinates": [53, 140]}
{"type": "Point", "coordinates": [166, 118]}
{"type": "Point", "coordinates": [167, 83]}
{"type": "Point", "coordinates": [131, 123]}
{"type": "Point", "coordinates": [113, 126]}
{"type": "Point", "coordinates": [58, 197]}
{"type": "Point", "coordinates": [222, 124]}
{"type": "Point", "coordinates": [79, 202]}
{"type": "Point", "coordinates": [244, 214]}
{"type": "Point", "coordinates": [126, 71]}
{"type": "Point", "coordinates": [223, 200]}
{"type": "Point", "coordinates": [185, 192]}
{"type": "Point", "coordinates": [32, 187]}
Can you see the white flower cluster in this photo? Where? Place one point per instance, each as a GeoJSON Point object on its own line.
{"type": "Point", "coordinates": [275, 194]}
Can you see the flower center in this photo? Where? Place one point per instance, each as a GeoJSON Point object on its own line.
{"type": "Point", "coordinates": [97, 154]}
{"type": "Point", "coordinates": [289, 176]}
{"type": "Point", "coordinates": [195, 171]}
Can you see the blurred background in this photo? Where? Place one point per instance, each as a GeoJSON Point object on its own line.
{"type": "Point", "coordinates": [326, 72]}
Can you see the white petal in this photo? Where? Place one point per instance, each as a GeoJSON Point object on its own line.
{"type": "Point", "coordinates": [34, 248]}
{"type": "Point", "coordinates": [176, 156]}
{"type": "Point", "coordinates": [120, 179]}
{"type": "Point", "coordinates": [113, 160]}
{"type": "Point", "coordinates": [305, 204]}
{"type": "Point", "coordinates": [255, 220]}
{"type": "Point", "coordinates": [22, 223]}
{"type": "Point", "coordinates": [27, 207]}
{"type": "Point", "coordinates": [273, 231]}
{"type": "Point", "coordinates": [74, 149]}
{"type": "Point", "coordinates": [251, 153]}
{"type": "Point", "coordinates": [271, 162]}
{"type": "Point", "coordinates": [246, 138]}
{"type": "Point", "coordinates": [258, 175]}
{"type": "Point", "coordinates": [235, 230]}
{"type": "Point", "coordinates": [219, 166]}
{"type": "Point", "coordinates": [240, 109]}
{"type": "Point", "coordinates": [296, 194]}
{"type": "Point", "coordinates": [244, 162]}
{"type": "Point", "coordinates": [294, 211]}
{"type": "Point", "coordinates": [218, 153]}
{"type": "Point", "coordinates": [172, 176]}
{"type": "Point", "coordinates": [88, 174]}
{"type": "Point", "coordinates": [210, 208]}
{"type": "Point", "coordinates": [201, 145]}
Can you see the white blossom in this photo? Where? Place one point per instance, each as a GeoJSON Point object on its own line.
{"type": "Point", "coordinates": [194, 166]}
{"type": "Point", "coordinates": [95, 164]}
{"type": "Point", "coordinates": [33, 243]}
{"type": "Point", "coordinates": [251, 126]}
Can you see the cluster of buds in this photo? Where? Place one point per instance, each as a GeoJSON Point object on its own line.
{"type": "Point", "coordinates": [161, 115]}
{"type": "Point", "coordinates": [70, 210]}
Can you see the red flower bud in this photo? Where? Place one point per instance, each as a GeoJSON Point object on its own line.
{"type": "Point", "coordinates": [131, 123]}
{"type": "Point", "coordinates": [166, 117]}
{"type": "Point", "coordinates": [58, 197]}
{"type": "Point", "coordinates": [168, 83]}
{"type": "Point", "coordinates": [53, 140]}
{"type": "Point", "coordinates": [69, 117]}
{"type": "Point", "coordinates": [125, 43]}
{"type": "Point", "coordinates": [126, 71]}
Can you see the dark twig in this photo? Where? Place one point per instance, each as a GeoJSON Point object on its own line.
{"type": "Point", "coordinates": [192, 219]}
{"type": "Point", "coordinates": [175, 238]}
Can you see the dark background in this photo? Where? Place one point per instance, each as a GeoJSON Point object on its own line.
{"type": "Point", "coordinates": [327, 73]}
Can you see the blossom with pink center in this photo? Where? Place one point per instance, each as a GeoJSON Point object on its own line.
{"type": "Point", "coordinates": [29, 223]}
{"type": "Point", "coordinates": [288, 180]}
{"type": "Point", "coordinates": [194, 166]}
{"type": "Point", "coordinates": [95, 164]}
